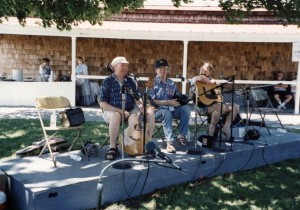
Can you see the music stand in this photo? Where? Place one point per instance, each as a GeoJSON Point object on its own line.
{"type": "Point", "coordinates": [220, 122]}
{"type": "Point", "coordinates": [231, 141]}
{"type": "Point", "coordinates": [246, 137]}
{"type": "Point", "coordinates": [123, 164]}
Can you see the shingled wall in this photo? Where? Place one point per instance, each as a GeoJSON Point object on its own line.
{"type": "Point", "coordinates": [26, 52]}
{"type": "Point", "coordinates": [247, 61]}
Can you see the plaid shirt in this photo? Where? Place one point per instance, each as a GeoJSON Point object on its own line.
{"type": "Point", "coordinates": [111, 92]}
{"type": "Point", "coordinates": [163, 90]}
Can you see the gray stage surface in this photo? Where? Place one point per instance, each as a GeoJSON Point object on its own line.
{"type": "Point", "coordinates": [35, 184]}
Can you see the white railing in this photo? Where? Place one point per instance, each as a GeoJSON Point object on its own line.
{"type": "Point", "coordinates": [244, 82]}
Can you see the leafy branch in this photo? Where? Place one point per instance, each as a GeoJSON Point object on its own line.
{"type": "Point", "coordinates": [287, 11]}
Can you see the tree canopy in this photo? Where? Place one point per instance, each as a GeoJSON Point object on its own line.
{"type": "Point", "coordinates": [288, 11]}
{"type": "Point", "coordinates": [67, 13]}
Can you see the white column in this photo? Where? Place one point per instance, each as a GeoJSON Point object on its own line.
{"type": "Point", "coordinates": [184, 65]}
{"type": "Point", "coordinates": [297, 98]}
{"type": "Point", "coordinates": [73, 76]}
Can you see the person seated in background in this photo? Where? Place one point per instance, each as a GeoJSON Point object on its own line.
{"type": "Point", "coordinates": [214, 107]}
{"type": "Point", "coordinates": [110, 100]}
{"type": "Point", "coordinates": [45, 71]}
{"type": "Point", "coordinates": [282, 93]}
{"type": "Point", "coordinates": [163, 94]}
{"type": "Point", "coordinates": [83, 87]}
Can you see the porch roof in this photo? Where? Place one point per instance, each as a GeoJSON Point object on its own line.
{"type": "Point", "coordinates": [161, 31]}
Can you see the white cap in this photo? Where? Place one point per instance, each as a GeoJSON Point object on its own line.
{"type": "Point", "coordinates": [118, 60]}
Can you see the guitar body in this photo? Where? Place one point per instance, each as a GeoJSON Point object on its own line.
{"type": "Point", "coordinates": [133, 136]}
{"type": "Point", "coordinates": [208, 93]}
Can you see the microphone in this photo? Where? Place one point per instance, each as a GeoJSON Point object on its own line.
{"type": "Point", "coordinates": [181, 77]}
{"type": "Point", "coordinates": [136, 95]}
{"type": "Point", "coordinates": [132, 75]}
{"type": "Point", "coordinates": [230, 79]}
{"type": "Point", "coordinates": [109, 68]}
{"type": "Point", "coordinates": [151, 148]}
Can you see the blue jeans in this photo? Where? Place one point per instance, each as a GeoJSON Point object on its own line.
{"type": "Point", "coordinates": [182, 113]}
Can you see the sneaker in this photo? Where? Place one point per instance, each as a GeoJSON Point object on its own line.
{"type": "Point", "coordinates": [279, 106]}
{"type": "Point", "coordinates": [283, 107]}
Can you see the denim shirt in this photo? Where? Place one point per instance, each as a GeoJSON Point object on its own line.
{"type": "Point", "coordinates": [163, 90]}
{"type": "Point", "coordinates": [111, 92]}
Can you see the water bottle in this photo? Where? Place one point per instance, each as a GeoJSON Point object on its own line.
{"type": "Point", "coordinates": [75, 157]}
{"type": "Point", "coordinates": [53, 119]}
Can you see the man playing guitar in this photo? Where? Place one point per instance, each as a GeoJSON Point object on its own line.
{"type": "Point", "coordinates": [111, 102]}
{"type": "Point", "coordinates": [206, 85]}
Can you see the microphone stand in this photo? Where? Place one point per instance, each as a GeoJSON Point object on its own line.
{"type": "Point", "coordinates": [247, 95]}
{"type": "Point", "coordinates": [246, 137]}
{"type": "Point", "coordinates": [232, 79]}
{"type": "Point", "coordinates": [194, 150]}
{"type": "Point", "coordinates": [220, 122]}
{"type": "Point", "coordinates": [232, 100]}
{"type": "Point", "coordinates": [145, 117]}
{"type": "Point", "coordinates": [122, 164]}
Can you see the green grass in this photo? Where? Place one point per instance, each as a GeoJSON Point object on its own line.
{"type": "Point", "coordinates": [16, 134]}
{"type": "Point", "coordinates": [271, 187]}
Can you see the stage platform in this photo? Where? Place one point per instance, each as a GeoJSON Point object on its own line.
{"type": "Point", "coordinates": [35, 184]}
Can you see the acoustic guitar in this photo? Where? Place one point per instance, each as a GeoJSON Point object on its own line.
{"type": "Point", "coordinates": [133, 135]}
{"type": "Point", "coordinates": [208, 93]}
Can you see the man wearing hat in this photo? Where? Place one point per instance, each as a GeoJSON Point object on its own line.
{"type": "Point", "coordinates": [110, 99]}
{"type": "Point", "coordinates": [163, 94]}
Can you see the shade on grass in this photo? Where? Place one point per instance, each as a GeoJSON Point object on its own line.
{"type": "Point", "coordinates": [270, 187]}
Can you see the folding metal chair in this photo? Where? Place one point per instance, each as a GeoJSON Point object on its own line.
{"type": "Point", "coordinates": [262, 104]}
{"type": "Point", "coordinates": [54, 105]}
{"type": "Point", "coordinates": [202, 118]}
{"type": "Point", "coordinates": [158, 129]}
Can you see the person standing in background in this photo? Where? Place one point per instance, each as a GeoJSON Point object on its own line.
{"type": "Point", "coordinates": [45, 71]}
{"type": "Point", "coordinates": [83, 88]}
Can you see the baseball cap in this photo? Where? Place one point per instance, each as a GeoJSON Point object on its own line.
{"type": "Point", "coordinates": [161, 62]}
{"type": "Point", "coordinates": [118, 60]}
